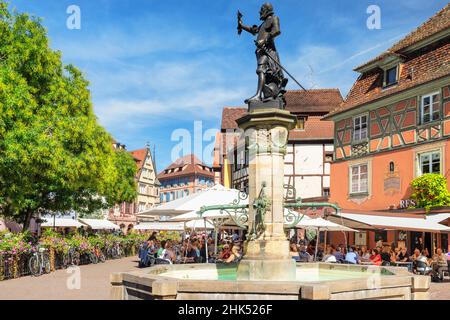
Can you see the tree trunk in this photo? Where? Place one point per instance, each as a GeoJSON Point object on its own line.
{"type": "Point", "coordinates": [28, 215]}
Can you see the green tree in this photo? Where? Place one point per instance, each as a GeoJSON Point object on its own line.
{"type": "Point", "coordinates": [54, 156]}
{"type": "Point", "coordinates": [430, 190]}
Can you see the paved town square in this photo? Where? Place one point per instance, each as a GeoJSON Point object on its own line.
{"type": "Point", "coordinates": [94, 285]}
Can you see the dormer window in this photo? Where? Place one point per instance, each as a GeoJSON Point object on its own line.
{"type": "Point", "coordinates": [390, 76]}
{"type": "Point", "coordinates": [301, 121]}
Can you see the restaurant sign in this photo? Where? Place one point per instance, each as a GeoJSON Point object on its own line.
{"type": "Point", "coordinates": [408, 203]}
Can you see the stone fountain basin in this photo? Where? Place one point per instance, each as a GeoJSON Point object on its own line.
{"type": "Point", "coordinates": [315, 281]}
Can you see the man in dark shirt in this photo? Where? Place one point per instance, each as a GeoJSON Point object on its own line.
{"type": "Point", "coordinates": [385, 256]}
{"type": "Point", "coordinates": [403, 256]}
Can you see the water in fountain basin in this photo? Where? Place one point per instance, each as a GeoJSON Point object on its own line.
{"type": "Point", "coordinates": [228, 273]}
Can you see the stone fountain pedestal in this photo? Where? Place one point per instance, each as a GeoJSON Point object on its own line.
{"type": "Point", "coordinates": [266, 256]}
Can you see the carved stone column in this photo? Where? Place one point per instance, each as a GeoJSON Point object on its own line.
{"type": "Point", "coordinates": [266, 253]}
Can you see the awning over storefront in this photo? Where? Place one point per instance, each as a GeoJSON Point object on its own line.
{"type": "Point", "coordinates": [322, 225]}
{"type": "Point", "coordinates": [97, 224]}
{"type": "Point", "coordinates": [160, 226]}
{"type": "Point", "coordinates": [386, 222]}
{"type": "Point", "coordinates": [61, 223]}
{"type": "Point", "coordinates": [442, 218]}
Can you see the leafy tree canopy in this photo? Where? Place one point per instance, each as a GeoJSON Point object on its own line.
{"type": "Point", "coordinates": [430, 190]}
{"type": "Point", "coordinates": [54, 156]}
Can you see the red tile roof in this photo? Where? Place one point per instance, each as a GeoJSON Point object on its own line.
{"type": "Point", "coordinates": [313, 100]}
{"type": "Point", "coordinates": [315, 128]}
{"type": "Point", "coordinates": [419, 67]}
{"type": "Point", "coordinates": [186, 165]}
{"type": "Point", "coordinates": [297, 101]}
{"type": "Point", "coordinates": [139, 156]}
{"type": "Point", "coordinates": [230, 115]}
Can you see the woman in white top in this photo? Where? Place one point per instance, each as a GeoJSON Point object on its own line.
{"type": "Point", "coordinates": [329, 257]}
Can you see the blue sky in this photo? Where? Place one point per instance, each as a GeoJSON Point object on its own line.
{"type": "Point", "coordinates": [157, 66]}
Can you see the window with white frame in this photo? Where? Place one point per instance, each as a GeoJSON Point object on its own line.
{"type": "Point", "coordinates": [141, 207]}
{"type": "Point", "coordinates": [360, 128]}
{"type": "Point", "coordinates": [430, 108]}
{"type": "Point", "coordinates": [430, 162]}
{"type": "Point", "coordinates": [142, 188]}
{"type": "Point", "coordinates": [359, 178]}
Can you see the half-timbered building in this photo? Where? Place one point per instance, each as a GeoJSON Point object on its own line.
{"type": "Point", "coordinates": [394, 126]}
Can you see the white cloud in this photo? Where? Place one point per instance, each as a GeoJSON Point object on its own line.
{"type": "Point", "coordinates": [205, 104]}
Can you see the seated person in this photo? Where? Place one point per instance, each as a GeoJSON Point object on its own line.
{"type": "Point", "coordinates": [169, 253]}
{"type": "Point", "coordinates": [403, 255]}
{"type": "Point", "coordinates": [339, 255]}
{"type": "Point", "coordinates": [439, 264]}
{"type": "Point", "coordinates": [351, 256]}
{"type": "Point", "coordinates": [385, 256]}
{"type": "Point", "coordinates": [304, 255]}
{"type": "Point", "coordinates": [235, 254]}
{"type": "Point", "coordinates": [422, 265]}
{"type": "Point", "coordinates": [191, 253]}
{"type": "Point", "coordinates": [365, 254]}
{"type": "Point", "coordinates": [416, 255]}
{"type": "Point", "coordinates": [294, 252]}
{"type": "Point", "coordinates": [225, 253]}
{"type": "Point", "coordinates": [375, 258]}
{"type": "Point", "coordinates": [329, 257]}
{"type": "Point", "coordinates": [161, 249]}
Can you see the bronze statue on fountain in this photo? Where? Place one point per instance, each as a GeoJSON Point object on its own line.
{"type": "Point", "coordinates": [271, 80]}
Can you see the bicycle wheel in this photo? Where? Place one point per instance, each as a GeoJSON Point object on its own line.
{"type": "Point", "coordinates": [34, 266]}
{"type": "Point", "coordinates": [109, 253]}
{"type": "Point", "coordinates": [66, 261]}
{"type": "Point", "coordinates": [46, 263]}
{"type": "Point", "coordinates": [92, 258]}
{"type": "Point", "coordinates": [76, 259]}
{"type": "Point", "coordinates": [101, 257]}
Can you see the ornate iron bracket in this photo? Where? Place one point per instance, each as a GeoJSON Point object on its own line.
{"type": "Point", "coordinates": [293, 218]}
{"type": "Point", "coordinates": [239, 212]}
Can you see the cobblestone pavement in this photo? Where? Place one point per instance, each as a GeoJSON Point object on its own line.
{"type": "Point", "coordinates": [94, 284]}
{"type": "Point", "coordinates": [440, 291]}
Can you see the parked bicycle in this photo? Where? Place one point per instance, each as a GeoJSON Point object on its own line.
{"type": "Point", "coordinates": [39, 262]}
{"type": "Point", "coordinates": [98, 253]}
{"type": "Point", "coordinates": [114, 251]}
{"type": "Point", "coordinates": [72, 258]}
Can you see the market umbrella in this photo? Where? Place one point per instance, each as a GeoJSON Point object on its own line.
{"type": "Point", "coordinates": [217, 195]}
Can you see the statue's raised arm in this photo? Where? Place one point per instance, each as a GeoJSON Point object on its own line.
{"type": "Point", "coordinates": [241, 26]}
